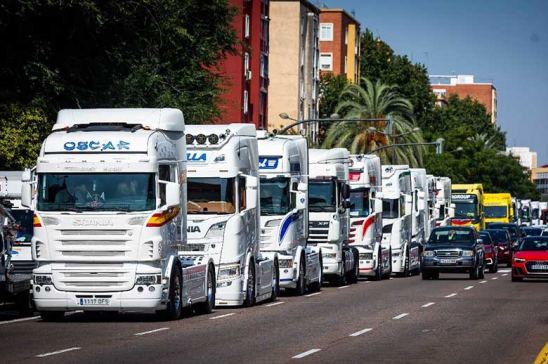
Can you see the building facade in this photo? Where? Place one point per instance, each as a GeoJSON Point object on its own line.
{"type": "Point", "coordinates": [245, 74]}
{"type": "Point", "coordinates": [339, 44]}
{"type": "Point", "coordinates": [539, 176]}
{"type": "Point", "coordinates": [463, 86]}
{"type": "Point", "coordinates": [294, 60]}
{"type": "Point", "coordinates": [526, 157]}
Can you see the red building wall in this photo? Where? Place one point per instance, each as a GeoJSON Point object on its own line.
{"type": "Point", "coordinates": [338, 46]}
{"type": "Point", "coordinates": [483, 93]}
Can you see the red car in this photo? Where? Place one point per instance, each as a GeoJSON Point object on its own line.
{"type": "Point", "coordinates": [491, 252]}
{"type": "Point", "coordinates": [503, 240]}
{"type": "Point", "coordinates": [531, 259]}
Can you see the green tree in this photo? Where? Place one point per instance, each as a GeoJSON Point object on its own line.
{"type": "Point", "coordinates": [331, 88]}
{"type": "Point", "coordinates": [379, 101]}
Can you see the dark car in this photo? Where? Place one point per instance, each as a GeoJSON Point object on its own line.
{"type": "Point", "coordinates": [491, 251]}
{"type": "Point", "coordinates": [503, 240]}
{"type": "Point", "coordinates": [531, 259]}
{"type": "Point", "coordinates": [453, 249]}
{"type": "Point", "coordinates": [532, 231]}
{"type": "Point", "coordinates": [515, 231]}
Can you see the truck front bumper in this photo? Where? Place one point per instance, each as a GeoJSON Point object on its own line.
{"type": "Point", "coordinates": [230, 292]}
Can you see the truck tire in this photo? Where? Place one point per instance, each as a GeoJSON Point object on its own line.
{"type": "Point", "coordinates": [317, 286]}
{"type": "Point", "coordinates": [355, 272]}
{"type": "Point", "coordinates": [174, 307]}
{"type": "Point", "coordinates": [300, 289]}
{"type": "Point", "coordinates": [204, 308]}
{"type": "Point", "coordinates": [426, 275]}
{"type": "Point", "coordinates": [24, 303]}
{"type": "Point", "coordinates": [378, 272]}
{"type": "Point", "coordinates": [250, 291]}
{"type": "Point", "coordinates": [389, 273]}
{"type": "Point", "coordinates": [52, 316]}
{"type": "Point", "coordinates": [275, 281]}
{"type": "Point", "coordinates": [341, 280]}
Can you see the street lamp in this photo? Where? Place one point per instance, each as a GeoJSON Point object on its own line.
{"type": "Point", "coordinates": [438, 143]}
{"type": "Point", "coordinates": [372, 129]}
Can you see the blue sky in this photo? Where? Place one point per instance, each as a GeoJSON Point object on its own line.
{"type": "Point", "coordinates": [500, 41]}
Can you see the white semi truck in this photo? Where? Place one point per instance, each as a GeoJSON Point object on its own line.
{"type": "Point", "coordinates": [366, 216]}
{"type": "Point", "coordinates": [328, 193]}
{"type": "Point", "coordinates": [419, 186]}
{"type": "Point", "coordinates": [110, 216]}
{"type": "Point", "coordinates": [396, 219]}
{"type": "Point", "coordinates": [283, 168]}
{"type": "Point", "coordinates": [535, 213]}
{"type": "Point", "coordinates": [443, 208]}
{"type": "Point", "coordinates": [525, 212]}
{"type": "Point", "coordinates": [224, 212]}
{"type": "Point", "coordinates": [430, 199]}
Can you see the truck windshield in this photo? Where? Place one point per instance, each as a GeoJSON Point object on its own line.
{"type": "Point", "coordinates": [211, 195]}
{"type": "Point", "coordinates": [495, 211]}
{"type": "Point", "coordinates": [23, 220]}
{"type": "Point", "coordinates": [466, 210]}
{"type": "Point", "coordinates": [275, 196]}
{"type": "Point", "coordinates": [359, 202]}
{"type": "Point", "coordinates": [96, 192]}
{"type": "Point", "coordinates": [322, 196]}
{"type": "Point", "coordinates": [525, 213]}
{"type": "Point", "coordinates": [390, 208]}
{"type": "Point", "coordinates": [535, 214]}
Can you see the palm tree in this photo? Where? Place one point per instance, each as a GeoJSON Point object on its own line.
{"type": "Point", "coordinates": [482, 141]}
{"type": "Point", "coordinates": [379, 101]}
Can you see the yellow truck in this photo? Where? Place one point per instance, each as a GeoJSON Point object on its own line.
{"type": "Point", "coordinates": [498, 207]}
{"type": "Point", "coordinates": [468, 200]}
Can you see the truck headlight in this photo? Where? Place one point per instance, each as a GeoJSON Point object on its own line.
{"type": "Point", "coordinates": [216, 230]}
{"type": "Point", "coordinates": [428, 253]}
{"type": "Point", "coordinates": [285, 263]}
{"type": "Point", "coordinates": [273, 223]}
{"type": "Point", "coordinates": [229, 272]}
{"type": "Point", "coordinates": [330, 255]}
{"type": "Point", "coordinates": [467, 253]}
{"type": "Point", "coordinates": [148, 279]}
{"type": "Point", "coordinates": [41, 279]}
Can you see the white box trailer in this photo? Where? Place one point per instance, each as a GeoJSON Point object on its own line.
{"type": "Point", "coordinates": [283, 168]}
{"type": "Point", "coordinates": [110, 216]}
{"type": "Point", "coordinates": [366, 216]}
{"type": "Point", "coordinates": [397, 218]}
{"type": "Point", "coordinates": [328, 193]}
{"type": "Point", "coordinates": [224, 212]}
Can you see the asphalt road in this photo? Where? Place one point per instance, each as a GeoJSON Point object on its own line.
{"type": "Point", "coordinates": [401, 320]}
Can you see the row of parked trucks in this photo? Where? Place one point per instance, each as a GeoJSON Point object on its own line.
{"type": "Point", "coordinates": [133, 211]}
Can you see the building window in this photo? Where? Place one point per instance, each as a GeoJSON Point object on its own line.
{"type": "Point", "coordinates": [246, 30]}
{"type": "Point", "coordinates": [264, 65]}
{"type": "Point", "coordinates": [246, 102]}
{"type": "Point", "coordinates": [326, 61]}
{"type": "Point", "coordinates": [346, 36]}
{"type": "Point", "coordinates": [345, 64]}
{"type": "Point", "coordinates": [326, 31]}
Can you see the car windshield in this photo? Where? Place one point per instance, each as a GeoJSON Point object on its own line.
{"type": "Point", "coordinates": [486, 237]}
{"type": "Point", "coordinates": [534, 244]}
{"type": "Point", "coordinates": [451, 236]}
{"type": "Point", "coordinates": [96, 192]}
{"type": "Point", "coordinates": [498, 236]}
{"type": "Point", "coordinates": [275, 196]}
{"type": "Point", "coordinates": [211, 195]}
{"type": "Point", "coordinates": [390, 208]}
{"type": "Point", "coordinates": [322, 196]}
{"type": "Point", "coordinates": [532, 231]}
{"type": "Point", "coordinates": [495, 211]}
{"type": "Point", "coordinates": [512, 229]}
{"type": "Point", "coordinates": [23, 220]}
{"type": "Point", "coordinates": [465, 210]}
{"type": "Point", "coordinates": [359, 202]}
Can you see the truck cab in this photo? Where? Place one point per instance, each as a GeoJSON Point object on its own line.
{"type": "Point", "coordinates": [366, 216]}
{"type": "Point", "coordinates": [283, 169]}
{"type": "Point", "coordinates": [109, 203]}
{"type": "Point", "coordinates": [498, 207]}
{"type": "Point", "coordinates": [329, 219]}
{"type": "Point", "coordinates": [444, 210]}
{"type": "Point", "coordinates": [535, 213]}
{"type": "Point", "coordinates": [468, 200]}
{"type": "Point", "coordinates": [224, 212]}
{"type": "Point", "coordinates": [525, 213]}
{"type": "Point", "coordinates": [419, 219]}
{"type": "Point", "coordinates": [397, 219]}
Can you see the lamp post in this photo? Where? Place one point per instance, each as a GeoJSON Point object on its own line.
{"type": "Point", "coordinates": [438, 143]}
{"type": "Point", "coordinates": [372, 129]}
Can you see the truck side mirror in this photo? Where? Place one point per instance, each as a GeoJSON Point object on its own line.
{"type": "Point", "coordinates": [379, 195]}
{"type": "Point", "coordinates": [251, 185]}
{"type": "Point", "coordinates": [26, 194]}
{"type": "Point", "coordinates": [173, 194]}
{"type": "Point", "coordinates": [408, 204]}
{"type": "Point", "coordinates": [301, 202]}
{"type": "Point", "coordinates": [346, 204]}
{"type": "Point", "coordinates": [302, 187]}
{"type": "Point", "coordinates": [334, 231]}
{"type": "Point", "coordinates": [378, 204]}
{"type": "Point", "coordinates": [345, 191]}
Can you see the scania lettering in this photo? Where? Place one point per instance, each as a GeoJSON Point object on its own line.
{"type": "Point", "coordinates": [329, 208]}
{"type": "Point", "coordinates": [366, 216]}
{"type": "Point", "coordinates": [110, 216]}
{"type": "Point", "coordinates": [468, 200]}
{"type": "Point", "coordinates": [283, 168]}
{"type": "Point", "coordinates": [224, 212]}
{"type": "Point", "coordinates": [396, 219]}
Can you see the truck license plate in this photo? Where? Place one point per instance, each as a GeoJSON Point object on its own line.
{"type": "Point", "coordinates": [539, 266]}
{"type": "Point", "coordinates": [94, 301]}
{"type": "Point", "coordinates": [448, 261]}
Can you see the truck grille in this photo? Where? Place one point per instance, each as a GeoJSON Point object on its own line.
{"type": "Point", "coordinates": [23, 266]}
{"type": "Point", "coordinates": [90, 244]}
{"type": "Point", "coordinates": [318, 232]}
{"type": "Point", "coordinates": [93, 277]}
{"type": "Point", "coordinates": [353, 229]}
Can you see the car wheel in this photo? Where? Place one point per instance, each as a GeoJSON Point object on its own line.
{"type": "Point", "coordinates": [426, 275]}
{"type": "Point", "coordinates": [435, 275]}
{"type": "Point", "coordinates": [474, 273]}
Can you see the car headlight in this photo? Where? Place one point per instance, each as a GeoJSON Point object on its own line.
{"type": "Point", "coordinates": [216, 230]}
{"type": "Point", "coordinates": [41, 279]}
{"type": "Point", "coordinates": [428, 253]}
{"type": "Point", "coordinates": [229, 272]}
{"type": "Point", "coordinates": [148, 279]}
{"type": "Point", "coordinates": [519, 260]}
{"type": "Point", "coordinates": [273, 223]}
{"type": "Point", "coordinates": [285, 263]}
{"type": "Point", "coordinates": [330, 255]}
{"type": "Point", "coordinates": [467, 253]}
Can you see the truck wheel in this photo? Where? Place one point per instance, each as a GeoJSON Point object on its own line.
{"type": "Point", "coordinates": [341, 280]}
{"type": "Point", "coordinates": [405, 272]}
{"type": "Point", "coordinates": [174, 308]}
{"type": "Point", "coordinates": [493, 267]}
{"type": "Point", "coordinates": [204, 308]}
{"type": "Point", "coordinates": [378, 272]}
{"type": "Point", "coordinates": [317, 286]}
{"type": "Point", "coordinates": [387, 275]}
{"type": "Point", "coordinates": [24, 304]}
{"type": "Point", "coordinates": [52, 316]}
{"type": "Point", "coordinates": [301, 286]}
{"type": "Point", "coordinates": [355, 272]}
{"type": "Point", "coordinates": [275, 282]}
{"type": "Point", "coordinates": [426, 275]}
{"type": "Point", "coordinates": [250, 292]}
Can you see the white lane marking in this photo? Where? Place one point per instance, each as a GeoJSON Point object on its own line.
{"type": "Point", "coordinates": [367, 281]}
{"type": "Point", "coordinates": [274, 304]}
{"type": "Point", "coordinates": [495, 278]}
{"type": "Point", "coordinates": [151, 331]}
{"type": "Point", "coordinates": [402, 315]}
{"type": "Point", "coordinates": [306, 353]}
{"type": "Point", "coordinates": [221, 316]}
{"type": "Point", "coordinates": [390, 278]}
{"type": "Point", "coordinates": [505, 274]}
{"type": "Point", "coordinates": [505, 270]}
{"type": "Point", "coordinates": [468, 288]}
{"type": "Point", "coordinates": [313, 294]}
{"type": "Point", "coordinates": [19, 320]}
{"type": "Point", "coordinates": [58, 352]}
{"type": "Point", "coordinates": [342, 287]}
{"type": "Point", "coordinates": [428, 304]}
{"type": "Point", "coordinates": [358, 333]}
{"type": "Point", "coordinates": [483, 282]}
{"type": "Point", "coordinates": [451, 295]}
